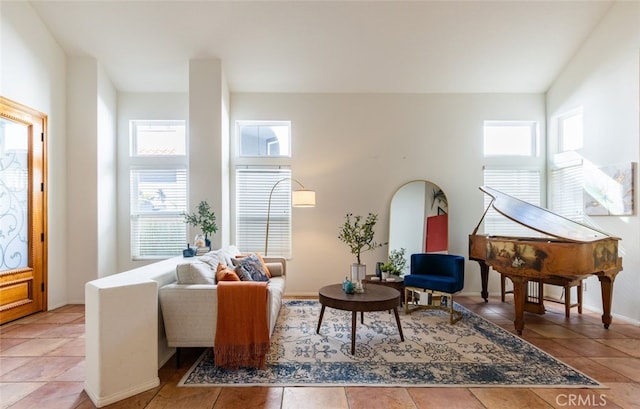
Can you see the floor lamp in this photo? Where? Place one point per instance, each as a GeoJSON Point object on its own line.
{"type": "Point", "coordinates": [299, 198]}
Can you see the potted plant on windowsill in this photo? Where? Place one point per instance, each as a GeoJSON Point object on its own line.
{"type": "Point", "coordinates": [358, 234]}
{"type": "Point", "coordinates": [205, 219]}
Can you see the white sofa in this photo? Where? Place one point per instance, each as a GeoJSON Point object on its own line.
{"type": "Point", "coordinates": [126, 341]}
{"type": "Point", "coordinates": [190, 310]}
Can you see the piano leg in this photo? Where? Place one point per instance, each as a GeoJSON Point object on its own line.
{"type": "Point", "coordinates": [606, 288]}
{"type": "Point", "coordinates": [484, 278]}
{"type": "Point", "coordinates": [519, 298]}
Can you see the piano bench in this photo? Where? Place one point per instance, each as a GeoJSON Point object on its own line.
{"type": "Point", "coordinates": [565, 282]}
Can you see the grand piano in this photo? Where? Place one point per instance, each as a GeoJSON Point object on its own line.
{"type": "Point", "coordinates": [567, 250]}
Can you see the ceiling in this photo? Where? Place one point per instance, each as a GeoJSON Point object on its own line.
{"type": "Point", "coordinates": [328, 46]}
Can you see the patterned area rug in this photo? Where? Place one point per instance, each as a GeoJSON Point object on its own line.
{"type": "Point", "coordinates": [472, 352]}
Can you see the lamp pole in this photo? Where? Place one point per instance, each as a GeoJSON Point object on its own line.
{"type": "Point", "coordinates": [266, 236]}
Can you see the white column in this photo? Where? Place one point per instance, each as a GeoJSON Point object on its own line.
{"type": "Point", "coordinates": [209, 142]}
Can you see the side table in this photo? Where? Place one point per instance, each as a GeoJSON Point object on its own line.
{"type": "Point", "coordinates": [398, 284]}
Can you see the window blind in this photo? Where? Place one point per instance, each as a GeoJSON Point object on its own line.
{"type": "Point", "coordinates": [158, 201]}
{"type": "Point", "coordinates": [520, 183]}
{"type": "Point", "coordinates": [567, 181]}
{"type": "Point", "coordinates": [253, 185]}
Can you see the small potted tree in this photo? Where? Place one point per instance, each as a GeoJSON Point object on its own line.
{"type": "Point", "coordinates": [358, 234]}
{"type": "Point", "coordinates": [205, 219]}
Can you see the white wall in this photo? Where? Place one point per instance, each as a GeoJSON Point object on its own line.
{"type": "Point", "coordinates": [33, 73]}
{"type": "Point", "coordinates": [106, 181]}
{"type": "Point", "coordinates": [355, 150]}
{"type": "Point", "coordinates": [603, 79]}
{"type": "Point", "coordinates": [82, 175]}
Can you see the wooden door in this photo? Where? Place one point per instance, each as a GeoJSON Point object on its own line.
{"type": "Point", "coordinates": [23, 211]}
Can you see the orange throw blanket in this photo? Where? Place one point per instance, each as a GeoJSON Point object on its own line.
{"type": "Point", "coordinates": [242, 333]}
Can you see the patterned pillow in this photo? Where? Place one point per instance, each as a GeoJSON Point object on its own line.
{"type": "Point", "coordinates": [243, 274]}
{"type": "Point", "coordinates": [265, 268]}
{"type": "Point", "coordinates": [253, 267]}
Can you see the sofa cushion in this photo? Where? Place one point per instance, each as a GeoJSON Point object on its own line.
{"type": "Point", "coordinates": [195, 273]}
{"type": "Point", "coordinates": [251, 266]}
{"type": "Point", "coordinates": [275, 269]}
{"type": "Point", "coordinates": [224, 273]}
{"type": "Point", "coordinates": [223, 255]}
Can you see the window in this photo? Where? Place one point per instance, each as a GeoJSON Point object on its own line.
{"type": "Point", "coordinates": [506, 138]}
{"type": "Point", "coordinates": [570, 132]}
{"type": "Point", "coordinates": [512, 166]}
{"type": "Point", "coordinates": [158, 188]}
{"type": "Point", "coordinates": [253, 186]}
{"type": "Point", "coordinates": [264, 139]}
{"type": "Point", "coordinates": [521, 183]}
{"type": "Point", "coordinates": [566, 169]}
{"type": "Point", "coordinates": [263, 160]}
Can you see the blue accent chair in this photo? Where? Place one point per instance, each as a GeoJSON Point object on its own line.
{"type": "Point", "coordinates": [435, 278]}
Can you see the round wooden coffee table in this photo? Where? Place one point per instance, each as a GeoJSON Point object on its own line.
{"type": "Point", "coordinates": [374, 298]}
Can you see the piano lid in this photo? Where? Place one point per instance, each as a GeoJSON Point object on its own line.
{"type": "Point", "coordinates": [542, 220]}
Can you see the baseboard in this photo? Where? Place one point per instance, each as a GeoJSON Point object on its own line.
{"type": "Point", "coordinates": [164, 358]}
{"type": "Point", "coordinates": [101, 401]}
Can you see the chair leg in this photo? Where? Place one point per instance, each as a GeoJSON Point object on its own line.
{"type": "Point", "coordinates": [455, 315]}
{"type": "Point", "coordinates": [567, 301]}
{"type": "Point", "coordinates": [502, 286]}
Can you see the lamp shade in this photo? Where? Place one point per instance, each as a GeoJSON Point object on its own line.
{"type": "Point", "coordinates": [303, 198]}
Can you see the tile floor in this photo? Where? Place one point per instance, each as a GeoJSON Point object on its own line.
{"type": "Point", "coordinates": [42, 366]}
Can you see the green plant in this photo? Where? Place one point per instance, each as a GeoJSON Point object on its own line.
{"type": "Point", "coordinates": [396, 262]}
{"type": "Point", "coordinates": [205, 219]}
{"type": "Point", "coordinates": [358, 234]}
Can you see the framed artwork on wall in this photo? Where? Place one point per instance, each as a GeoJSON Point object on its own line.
{"type": "Point", "coordinates": [609, 190]}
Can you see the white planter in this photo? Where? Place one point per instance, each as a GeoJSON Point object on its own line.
{"type": "Point", "coordinates": [358, 272]}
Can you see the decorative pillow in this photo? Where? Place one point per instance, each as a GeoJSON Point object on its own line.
{"type": "Point", "coordinates": [265, 268]}
{"type": "Point", "coordinates": [195, 273]}
{"type": "Point", "coordinates": [243, 274]}
{"type": "Point", "coordinates": [224, 273]}
{"type": "Point", "coordinates": [229, 253]}
{"type": "Point", "coordinates": [252, 266]}
{"type": "Point", "coordinates": [213, 258]}
{"type": "Point", "coordinates": [223, 255]}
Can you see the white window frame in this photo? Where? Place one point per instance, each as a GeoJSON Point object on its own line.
{"type": "Point", "coordinates": [534, 141]}
{"type": "Point", "coordinates": [566, 171]}
{"type": "Point", "coordinates": [237, 144]}
{"type": "Point", "coordinates": [507, 173]}
{"type": "Point", "coordinates": [170, 234]}
{"type": "Point", "coordinates": [575, 114]}
{"type": "Point", "coordinates": [280, 237]}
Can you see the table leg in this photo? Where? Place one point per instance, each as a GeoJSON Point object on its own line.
{"type": "Point", "coordinates": [353, 332]}
{"type": "Point", "coordinates": [320, 320]}
{"type": "Point", "coordinates": [362, 317]}
{"type": "Point", "coordinates": [395, 311]}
